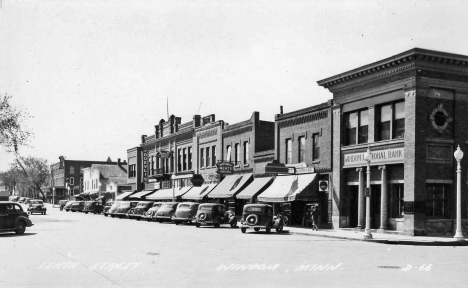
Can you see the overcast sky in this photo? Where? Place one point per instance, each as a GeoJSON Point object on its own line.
{"type": "Point", "coordinates": [95, 75]}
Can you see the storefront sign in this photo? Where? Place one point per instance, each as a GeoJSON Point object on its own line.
{"type": "Point", "coordinates": [145, 166]}
{"type": "Point", "coordinates": [379, 157]}
{"type": "Point", "coordinates": [122, 188]}
{"type": "Point", "coordinates": [301, 168]}
{"type": "Point", "coordinates": [164, 154]}
{"type": "Point", "coordinates": [225, 168]}
{"type": "Point", "coordinates": [279, 169]}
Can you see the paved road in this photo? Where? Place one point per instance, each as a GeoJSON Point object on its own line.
{"type": "Point", "coordinates": [66, 249]}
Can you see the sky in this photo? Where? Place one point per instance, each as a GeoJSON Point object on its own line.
{"type": "Point", "coordinates": [96, 75]}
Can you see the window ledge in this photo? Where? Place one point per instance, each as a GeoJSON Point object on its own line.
{"type": "Point", "coordinates": [246, 165]}
{"type": "Point", "coordinates": [315, 162]}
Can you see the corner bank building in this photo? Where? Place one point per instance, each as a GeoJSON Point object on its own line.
{"type": "Point", "coordinates": [411, 111]}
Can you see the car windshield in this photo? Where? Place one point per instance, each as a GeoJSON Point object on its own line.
{"type": "Point", "coordinates": [124, 205]}
{"type": "Point", "coordinates": [141, 205]}
{"type": "Point", "coordinates": [206, 207]}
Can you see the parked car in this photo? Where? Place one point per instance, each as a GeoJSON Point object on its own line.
{"type": "Point", "coordinates": [107, 208]}
{"type": "Point", "coordinates": [260, 216]}
{"type": "Point", "coordinates": [124, 207]}
{"type": "Point", "coordinates": [113, 208]}
{"type": "Point", "coordinates": [13, 218]}
{"type": "Point", "coordinates": [36, 206]}
{"type": "Point", "coordinates": [62, 204]}
{"type": "Point", "coordinates": [93, 207]}
{"type": "Point", "coordinates": [26, 200]}
{"type": "Point", "coordinates": [77, 206]}
{"type": "Point", "coordinates": [166, 211]}
{"type": "Point", "coordinates": [214, 214]}
{"type": "Point", "coordinates": [141, 209]}
{"type": "Point", "coordinates": [151, 213]}
{"type": "Point", "coordinates": [21, 199]}
{"type": "Point", "coordinates": [13, 198]}
{"type": "Point", "coordinates": [185, 213]}
{"type": "Point", "coordinates": [68, 205]}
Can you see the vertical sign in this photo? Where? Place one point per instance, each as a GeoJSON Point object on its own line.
{"type": "Point", "coordinates": [145, 165]}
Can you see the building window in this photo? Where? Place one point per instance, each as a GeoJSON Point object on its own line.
{"type": "Point", "coordinates": [301, 148]}
{"type": "Point", "coordinates": [72, 170]}
{"type": "Point", "coordinates": [72, 180]}
{"type": "Point", "coordinates": [207, 157]}
{"type": "Point", "coordinates": [184, 155]}
{"type": "Point", "coordinates": [288, 151]}
{"type": "Point", "coordinates": [189, 158]}
{"type": "Point", "coordinates": [356, 127]}
{"type": "Point", "coordinates": [152, 164]}
{"type": "Point", "coordinates": [132, 170]}
{"type": "Point", "coordinates": [213, 156]}
{"type": "Point", "coordinates": [397, 200]}
{"type": "Point", "coordinates": [228, 153]}
{"type": "Point", "coordinates": [392, 121]}
{"type": "Point", "coordinates": [246, 153]}
{"type": "Point", "coordinates": [179, 160]}
{"type": "Point", "coordinates": [316, 147]}
{"type": "Point", "coordinates": [202, 158]}
{"type": "Point", "coordinates": [236, 154]}
{"type": "Point", "coordinates": [438, 200]}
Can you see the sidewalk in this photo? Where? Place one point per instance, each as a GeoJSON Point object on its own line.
{"type": "Point", "coordinates": [381, 238]}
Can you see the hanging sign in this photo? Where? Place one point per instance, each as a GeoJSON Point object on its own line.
{"type": "Point", "coordinates": [145, 166]}
{"type": "Point", "coordinates": [225, 168]}
{"type": "Point", "coordinates": [164, 154]}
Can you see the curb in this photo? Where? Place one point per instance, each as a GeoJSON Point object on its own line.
{"type": "Point", "coordinates": [389, 241]}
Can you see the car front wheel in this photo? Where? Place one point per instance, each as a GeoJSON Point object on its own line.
{"type": "Point", "coordinates": [256, 229]}
{"type": "Point", "coordinates": [21, 227]}
{"type": "Point", "coordinates": [279, 229]}
{"type": "Point", "coordinates": [243, 230]}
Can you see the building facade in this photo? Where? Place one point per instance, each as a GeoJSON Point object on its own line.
{"type": "Point", "coordinates": [103, 180]}
{"type": "Point", "coordinates": [410, 111]}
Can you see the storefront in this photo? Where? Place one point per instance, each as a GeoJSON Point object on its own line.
{"type": "Point", "coordinates": [226, 191]}
{"type": "Point", "coordinates": [198, 193]}
{"type": "Point", "coordinates": [258, 186]}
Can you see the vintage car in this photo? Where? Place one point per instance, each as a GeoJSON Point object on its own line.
{"type": "Point", "coordinates": [166, 211]}
{"type": "Point", "coordinates": [151, 213]}
{"type": "Point", "coordinates": [36, 206]}
{"type": "Point", "coordinates": [13, 198]}
{"type": "Point", "coordinates": [113, 208]}
{"type": "Point", "coordinates": [93, 207]}
{"type": "Point", "coordinates": [214, 214]}
{"type": "Point", "coordinates": [21, 199]}
{"type": "Point", "coordinates": [185, 213]}
{"type": "Point", "coordinates": [26, 200]}
{"type": "Point", "coordinates": [77, 206]}
{"type": "Point", "coordinates": [62, 204]}
{"type": "Point", "coordinates": [124, 207]}
{"type": "Point", "coordinates": [68, 205]}
{"type": "Point", "coordinates": [260, 216]}
{"type": "Point", "coordinates": [13, 218]}
{"type": "Point", "coordinates": [141, 209]}
{"type": "Point", "coordinates": [106, 208]}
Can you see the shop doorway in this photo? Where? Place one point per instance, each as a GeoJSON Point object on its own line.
{"type": "Point", "coordinates": [353, 205]}
{"type": "Point", "coordinates": [375, 206]}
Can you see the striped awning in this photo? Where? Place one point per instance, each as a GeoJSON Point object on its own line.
{"type": "Point", "coordinates": [231, 185]}
{"type": "Point", "coordinates": [197, 193]}
{"type": "Point", "coordinates": [141, 195]}
{"type": "Point", "coordinates": [165, 194]}
{"type": "Point", "coordinates": [257, 186]}
{"type": "Point", "coordinates": [124, 195]}
{"type": "Point", "coordinates": [289, 188]}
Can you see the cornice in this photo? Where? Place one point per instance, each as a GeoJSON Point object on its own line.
{"type": "Point", "coordinates": [455, 62]}
{"type": "Point", "coordinates": [279, 117]}
{"type": "Point", "coordinates": [240, 130]}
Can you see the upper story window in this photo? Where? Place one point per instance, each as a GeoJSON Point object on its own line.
{"type": "Point", "coordinates": [356, 127]}
{"type": "Point", "coordinates": [72, 170]}
{"type": "Point", "coordinates": [207, 157]}
{"type": "Point", "coordinates": [185, 159]}
{"type": "Point", "coordinates": [236, 153]}
{"type": "Point", "coordinates": [179, 160]}
{"type": "Point", "coordinates": [301, 148]}
{"type": "Point", "coordinates": [316, 147]}
{"type": "Point", "coordinates": [202, 158]}
{"type": "Point", "coordinates": [132, 170]}
{"type": "Point", "coordinates": [246, 152]}
{"type": "Point", "coordinates": [228, 153]}
{"type": "Point", "coordinates": [391, 124]}
{"type": "Point", "coordinates": [189, 160]}
{"type": "Point", "coordinates": [213, 156]}
{"type": "Point", "coordinates": [288, 151]}
{"type": "Point", "coordinates": [72, 180]}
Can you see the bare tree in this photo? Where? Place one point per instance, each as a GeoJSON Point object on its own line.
{"type": "Point", "coordinates": [36, 171]}
{"type": "Point", "coordinates": [12, 131]}
{"type": "Point", "coordinates": [10, 179]}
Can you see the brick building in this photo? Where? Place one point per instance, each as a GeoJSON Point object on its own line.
{"type": "Point", "coordinates": [410, 110]}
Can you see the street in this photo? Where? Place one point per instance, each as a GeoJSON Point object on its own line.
{"type": "Point", "coordinates": [65, 249]}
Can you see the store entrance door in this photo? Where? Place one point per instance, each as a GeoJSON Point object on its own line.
{"type": "Point", "coordinates": [375, 206]}
{"type": "Point", "coordinates": [353, 206]}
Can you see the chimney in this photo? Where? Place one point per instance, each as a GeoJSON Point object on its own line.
{"type": "Point", "coordinates": [118, 161]}
{"type": "Point", "coordinates": [281, 109]}
{"type": "Point", "coordinates": [143, 139]}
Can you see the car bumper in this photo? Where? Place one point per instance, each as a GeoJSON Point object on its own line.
{"type": "Point", "coordinates": [252, 226]}
{"type": "Point", "coordinates": [191, 220]}
{"type": "Point", "coordinates": [120, 214]}
{"type": "Point", "coordinates": [205, 223]}
{"type": "Point", "coordinates": [168, 218]}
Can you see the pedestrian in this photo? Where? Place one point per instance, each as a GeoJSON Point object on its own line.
{"type": "Point", "coordinates": [314, 216]}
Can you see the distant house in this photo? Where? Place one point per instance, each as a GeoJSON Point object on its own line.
{"type": "Point", "coordinates": [103, 180]}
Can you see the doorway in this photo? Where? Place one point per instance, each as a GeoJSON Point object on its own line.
{"type": "Point", "coordinates": [375, 206]}
{"type": "Point", "coordinates": [353, 206]}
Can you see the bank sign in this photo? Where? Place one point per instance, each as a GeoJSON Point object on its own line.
{"type": "Point", "coordinates": [379, 157]}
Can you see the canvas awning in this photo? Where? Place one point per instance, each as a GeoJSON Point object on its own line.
{"type": "Point", "coordinates": [257, 186]}
{"type": "Point", "coordinates": [124, 195]}
{"type": "Point", "coordinates": [231, 185]}
{"type": "Point", "coordinates": [182, 176]}
{"type": "Point", "coordinates": [197, 193]}
{"type": "Point", "coordinates": [141, 195]}
{"type": "Point", "coordinates": [289, 188]}
{"type": "Point", "coordinates": [167, 193]}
